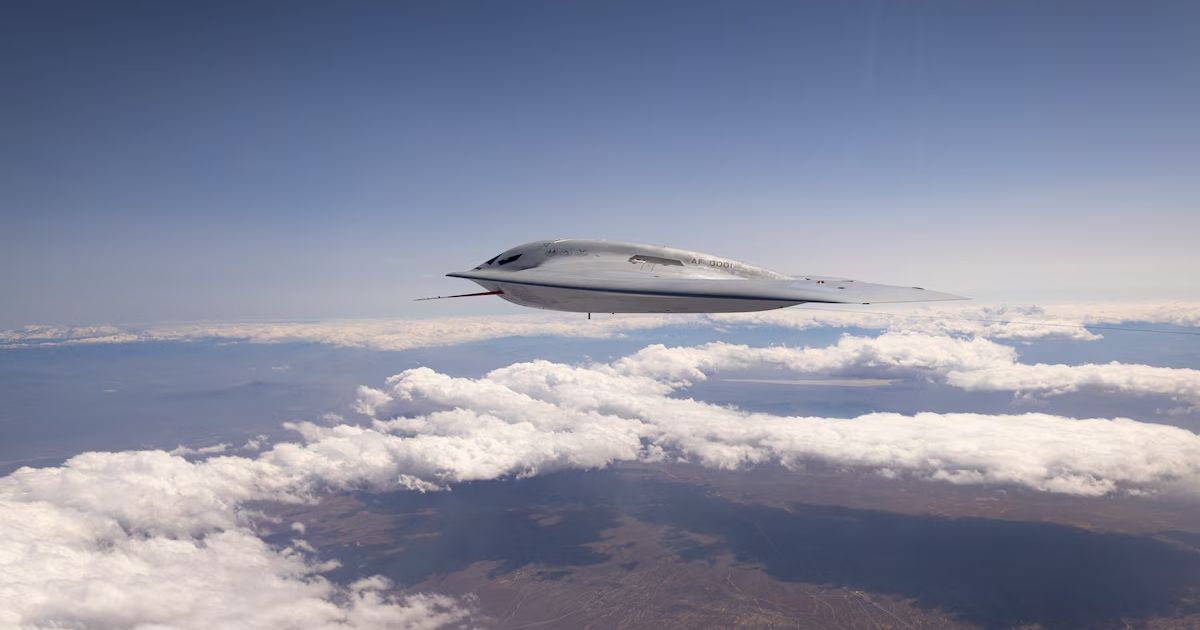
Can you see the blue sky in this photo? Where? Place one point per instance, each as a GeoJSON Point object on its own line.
{"type": "Point", "coordinates": [304, 160]}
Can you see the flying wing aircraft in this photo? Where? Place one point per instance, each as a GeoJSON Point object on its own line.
{"type": "Point", "coordinates": [584, 276]}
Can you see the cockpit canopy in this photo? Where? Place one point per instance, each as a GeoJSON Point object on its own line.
{"type": "Point", "coordinates": [499, 260]}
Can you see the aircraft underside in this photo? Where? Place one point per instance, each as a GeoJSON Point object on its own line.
{"type": "Point", "coordinates": [588, 301]}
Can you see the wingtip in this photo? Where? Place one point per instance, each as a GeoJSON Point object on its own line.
{"type": "Point", "coordinates": [939, 296]}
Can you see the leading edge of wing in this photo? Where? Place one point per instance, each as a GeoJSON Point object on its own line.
{"type": "Point", "coordinates": [793, 291]}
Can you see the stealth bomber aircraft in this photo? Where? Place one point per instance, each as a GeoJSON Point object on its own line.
{"type": "Point", "coordinates": [585, 276]}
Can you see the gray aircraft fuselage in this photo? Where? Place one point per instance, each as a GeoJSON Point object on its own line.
{"type": "Point", "coordinates": [586, 276]}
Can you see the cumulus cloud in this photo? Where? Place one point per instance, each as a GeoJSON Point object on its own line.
{"type": "Point", "coordinates": [537, 416]}
{"type": "Point", "coordinates": [973, 364]}
{"type": "Point", "coordinates": [152, 538]}
{"type": "Point", "coordinates": [255, 443]}
{"type": "Point", "coordinates": [1180, 384]}
{"type": "Point", "coordinates": [149, 539]}
{"type": "Point", "coordinates": [203, 450]}
{"type": "Point", "coordinates": [999, 322]}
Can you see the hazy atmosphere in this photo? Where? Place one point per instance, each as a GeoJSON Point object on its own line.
{"type": "Point", "coordinates": [301, 160]}
{"type": "Point", "coordinates": [220, 405]}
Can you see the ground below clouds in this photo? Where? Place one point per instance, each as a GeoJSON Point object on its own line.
{"type": "Point", "coordinates": [680, 546]}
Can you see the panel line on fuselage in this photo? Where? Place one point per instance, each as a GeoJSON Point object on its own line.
{"type": "Point", "coordinates": [708, 296]}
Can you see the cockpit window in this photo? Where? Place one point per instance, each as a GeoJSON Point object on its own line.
{"type": "Point", "coordinates": [487, 262]}
{"type": "Point", "coordinates": [505, 261]}
{"type": "Point", "coordinates": [639, 259]}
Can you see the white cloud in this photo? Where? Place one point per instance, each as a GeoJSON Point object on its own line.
{"type": "Point", "coordinates": [1180, 384]}
{"type": "Point", "coordinates": [532, 417]}
{"type": "Point", "coordinates": [997, 321]}
{"type": "Point", "coordinates": [149, 538]}
{"type": "Point", "coordinates": [972, 364]}
{"type": "Point", "coordinates": [255, 443]}
{"type": "Point", "coordinates": [1175, 313]}
{"type": "Point", "coordinates": [36, 335]}
{"type": "Point", "coordinates": [377, 334]}
{"type": "Point", "coordinates": [203, 450]}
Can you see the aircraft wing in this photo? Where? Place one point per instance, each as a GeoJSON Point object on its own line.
{"type": "Point", "coordinates": [634, 282]}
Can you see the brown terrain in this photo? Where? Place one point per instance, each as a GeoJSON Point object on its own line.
{"type": "Point", "coordinates": [678, 546]}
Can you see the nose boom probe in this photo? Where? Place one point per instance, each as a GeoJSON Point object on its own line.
{"type": "Point", "coordinates": [444, 297]}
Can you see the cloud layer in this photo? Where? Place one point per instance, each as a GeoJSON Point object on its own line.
{"type": "Point", "coordinates": [973, 364]}
{"type": "Point", "coordinates": [998, 322]}
{"type": "Point", "coordinates": [537, 416]}
{"type": "Point", "coordinates": [153, 538]}
{"type": "Point", "coordinates": [149, 539]}
{"type": "Point", "coordinates": [377, 334]}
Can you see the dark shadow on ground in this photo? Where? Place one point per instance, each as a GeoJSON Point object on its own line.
{"type": "Point", "coordinates": [990, 572]}
{"type": "Point", "coordinates": [515, 524]}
